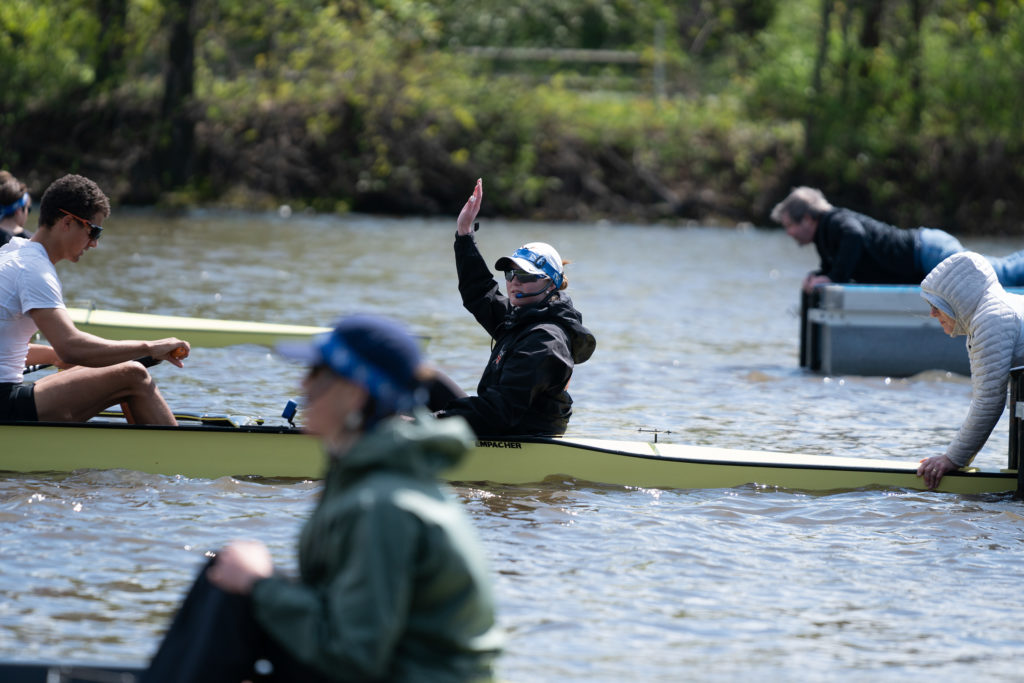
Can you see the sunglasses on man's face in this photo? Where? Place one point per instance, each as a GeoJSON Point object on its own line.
{"type": "Point", "coordinates": [94, 230]}
{"type": "Point", "coordinates": [522, 276]}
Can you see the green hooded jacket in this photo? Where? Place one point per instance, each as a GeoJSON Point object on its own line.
{"type": "Point", "coordinates": [393, 583]}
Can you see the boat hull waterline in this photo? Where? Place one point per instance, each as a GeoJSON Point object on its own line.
{"type": "Point", "coordinates": [282, 452]}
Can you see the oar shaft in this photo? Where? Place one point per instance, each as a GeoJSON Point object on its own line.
{"type": "Point", "coordinates": [147, 361]}
{"type": "Point", "coordinates": [37, 367]}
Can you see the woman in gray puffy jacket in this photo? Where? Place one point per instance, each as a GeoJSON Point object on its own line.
{"type": "Point", "coordinates": [968, 300]}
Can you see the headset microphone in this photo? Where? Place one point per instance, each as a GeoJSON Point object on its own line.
{"type": "Point", "coordinates": [520, 295]}
{"type": "Point", "coordinates": [550, 293]}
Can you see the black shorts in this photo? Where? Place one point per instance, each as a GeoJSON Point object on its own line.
{"type": "Point", "coordinates": [18, 402]}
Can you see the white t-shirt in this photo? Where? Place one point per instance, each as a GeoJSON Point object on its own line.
{"type": "Point", "coordinates": [27, 280]}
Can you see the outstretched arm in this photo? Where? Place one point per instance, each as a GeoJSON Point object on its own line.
{"type": "Point", "coordinates": [81, 348]}
{"type": "Point", "coordinates": [991, 354]}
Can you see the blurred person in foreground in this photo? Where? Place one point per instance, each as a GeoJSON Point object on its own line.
{"type": "Point", "coordinates": [967, 299]}
{"type": "Point", "coordinates": [857, 248]}
{"type": "Point", "coordinates": [15, 205]}
{"type": "Point", "coordinates": [537, 336]}
{"type": "Point", "coordinates": [392, 584]}
{"type": "Point", "coordinates": [31, 299]}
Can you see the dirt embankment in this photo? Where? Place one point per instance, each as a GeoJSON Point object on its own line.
{"type": "Point", "coordinates": [262, 159]}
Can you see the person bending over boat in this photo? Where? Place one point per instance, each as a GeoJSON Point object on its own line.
{"type": "Point", "coordinates": [15, 205]}
{"type": "Point", "coordinates": [31, 299]}
{"type": "Point", "coordinates": [857, 248]}
{"type": "Point", "coordinates": [392, 584]}
{"type": "Point", "coordinates": [538, 337]}
{"type": "Point", "coordinates": [967, 299]}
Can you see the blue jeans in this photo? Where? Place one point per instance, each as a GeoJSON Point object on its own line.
{"type": "Point", "coordinates": [1009, 268]}
{"type": "Point", "coordinates": [935, 246]}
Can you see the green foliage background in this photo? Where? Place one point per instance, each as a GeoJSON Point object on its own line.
{"type": "Point", "coordinates": [695, 110]}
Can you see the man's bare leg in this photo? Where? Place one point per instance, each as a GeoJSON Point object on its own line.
{"type": "Point", "coordinates": [79, 394]}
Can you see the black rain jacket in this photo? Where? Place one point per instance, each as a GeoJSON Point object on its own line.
{"type": "Point", "coordinates": [522, 391]}
{"type": "Point", "coordinates": [858, 248]}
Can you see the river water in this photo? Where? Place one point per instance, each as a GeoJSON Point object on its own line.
{"type": "Point", "coordinates": [697, 337]}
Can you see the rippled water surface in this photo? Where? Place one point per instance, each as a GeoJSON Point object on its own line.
{"type": "Point", "coordinates": [697, 336]}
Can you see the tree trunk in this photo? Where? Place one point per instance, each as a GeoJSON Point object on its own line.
{"type": "Point", "coordinates": [870, 35]}
{"type": "Point", "coordinates": [917, 12]}
{"type": "Point", "coordinates": [177, 138]}
{"type": "Point", "coordinates": [871, 29]}
{"type": "Point", "coordinates": [112, 15]}
{"type": "Point", "coordinates": [812, 146]}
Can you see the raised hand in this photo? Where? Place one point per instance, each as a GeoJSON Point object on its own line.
{"type": "Point", "coordinates": [467, 216]}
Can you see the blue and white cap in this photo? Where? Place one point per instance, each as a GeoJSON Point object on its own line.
{"type": "Point", "coordinates": [377, 353]}
{"type": "Point", "coordinates": [538, 258]}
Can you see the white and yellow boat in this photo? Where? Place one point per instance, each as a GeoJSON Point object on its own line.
{"type": "Point", "coordinates": [223, 447]}
{"type": "Point", "coordinates": [204, 332]}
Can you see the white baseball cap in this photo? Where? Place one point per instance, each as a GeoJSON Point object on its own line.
{"type": "Point", "coordinates": [537, 258]}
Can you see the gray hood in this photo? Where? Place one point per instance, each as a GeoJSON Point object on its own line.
{"type": "Point", "coordinates": [958, 285]}
{"type": "Point", "coordinates": [965, 286]}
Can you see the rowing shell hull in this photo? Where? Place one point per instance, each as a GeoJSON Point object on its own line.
{"type": "Point", "coordinates": [674, 466]}
{"type": "Point", "coordinates": [278, 452]}
{"type": "Point", "coordinates": [203, 332]}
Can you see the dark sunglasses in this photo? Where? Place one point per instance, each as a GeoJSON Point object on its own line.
{"type": "Point", "coordinates": [522, 276]}
{"type": "Point", "coordinates": [94, 230]}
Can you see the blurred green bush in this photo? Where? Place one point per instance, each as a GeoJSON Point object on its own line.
{"type": "Point", "coordinates": [578, 109]}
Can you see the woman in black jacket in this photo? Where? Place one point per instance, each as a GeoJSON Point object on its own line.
{"type": "Point", "coordinates": [538, 336]}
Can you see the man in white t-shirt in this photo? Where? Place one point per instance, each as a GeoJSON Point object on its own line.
{"type": "Point", "coordinates": [102, 372]}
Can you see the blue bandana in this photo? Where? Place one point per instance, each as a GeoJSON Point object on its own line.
{"type": "Point", "coordinates": [540, 262]}
{"type": "Point", "coordinates": [11, 208]}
